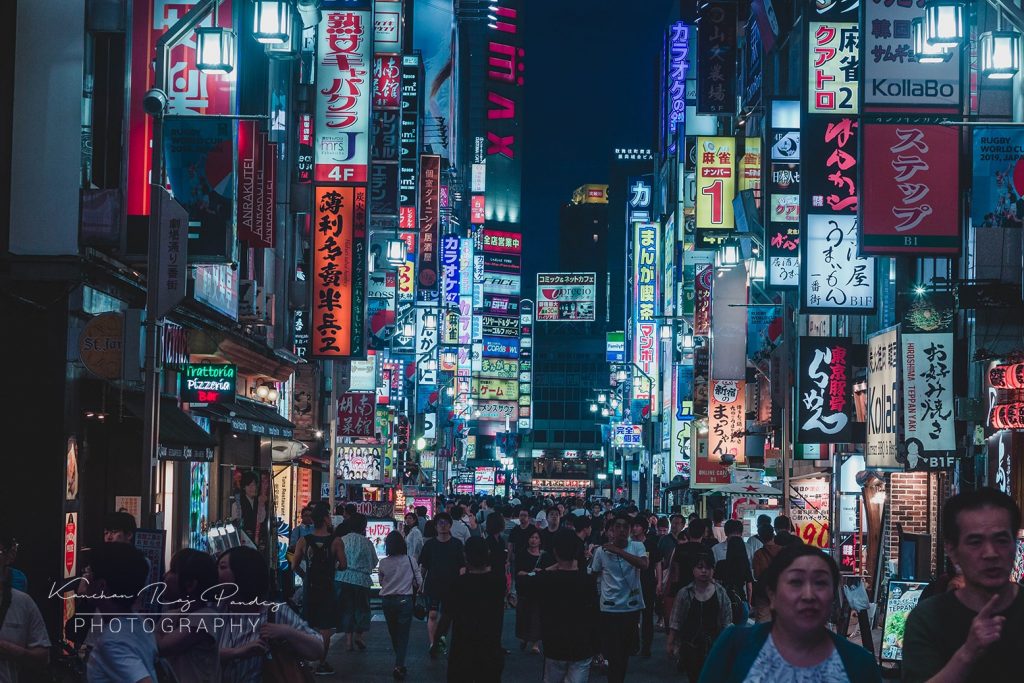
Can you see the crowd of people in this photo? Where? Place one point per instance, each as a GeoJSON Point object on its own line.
{"type": "Point", "coordinates": [590, 586]}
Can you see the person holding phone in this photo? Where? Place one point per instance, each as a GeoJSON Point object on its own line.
{"type": "Point", "coordinates": [528, 622]}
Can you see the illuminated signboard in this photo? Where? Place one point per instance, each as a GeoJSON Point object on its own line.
{"type": "Point", "coordinates": [646, 284]}
{"type": "Point", "coordinates": [339, 272]}
{"type": "Point", "coordinates": [208, 383]}
{"type": "Point", "coordinates": [679, 49]}
{"type": "Point", "coordinates": [716, 183]}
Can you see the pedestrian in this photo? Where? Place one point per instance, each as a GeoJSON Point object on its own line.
{"type": "Point", "coordinates": [568, 604]}
{"type": "Point", "coordinates": [317, 557]}
{"type": "Point", "coordinates": [530, 561]}
{"type": "Point", "coordinates": [648, 581]}
{"type": "Point", "coordinates": [24, 643]}
{"type": "Point", "coordinates": [583, 526]}
{"type": "Point", "coordinates": [763, 558]}
{"type": "Point", "coordinates": [460, 527]}
{"type": "Point", "coordinates": [973, 633]}
{"type": "Point", "coordinates": [118, 527]}
{"type": "Point", "coordinates": [718, 525]}
{"type": "Point", "coordinates": [442, 559]}
{"type": "Point", "coordinates": [762, 534]}
{"type": "Point", "coordinates": [496, 544]}
{"type": "Point", "coordinates": [246, 638]}
{"type": "Point", "coordinates": [305, 528]}
{"type": "Point", "coordinates": [400, 580]}
{"type": "Point", "coordinates": [732, 570]}
{"type": "Point", "coordinates": [421, 515]}
{"type": "Point", "coordinates": [796, 645]}
{"type": "Point", "coordinates": [353, 583]}
{"type": "Point", "coordinates": [122, 651]}
{"type": "Point", "coordinates": [701, 612]}
{"type": "Point", "coordinates": [189, 629]}
{"type": "Point", "coordinates": [618, 565]}
{"type": "Point", "coordinates": [680, 566]}
{"type": "Point", "coordinates": [476, 604]}
{"type": "Point", "coordinates": [413, 536]}
{"type": "Point", "coordinates": [554, 524]}
{"type": "Point", "coordinates": [517, 536]}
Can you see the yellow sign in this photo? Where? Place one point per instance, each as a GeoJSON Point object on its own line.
{"type": "Point", "coordinates": [496, 389]}
{"type": "Point", "coordinates": [716, 183]}
{"type": "Point", "coordinates": [750, 168]}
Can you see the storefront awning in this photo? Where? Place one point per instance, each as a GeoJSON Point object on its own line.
{"type": "Point", "coordinates": [180, 437]}
{"type": "Point", "coordinates": [250, 417]}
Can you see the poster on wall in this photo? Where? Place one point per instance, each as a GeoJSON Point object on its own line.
{"type": "Point", "coordinates": [250, 504]}
{"type": "Point", "coordinates": [566, 296]}
{"type": "Point", "coordinates": [809, 510]}
{"type": "Point", "coordinates": [997, 177]}
{"type": "Point", "coordinates": [359, 463]}
{"type": "Point", "coordinates": [882, 400]}
{"type": "Point", "coordinates": [903, 598]}
{"type": "Point", "coordinates": [911, 197]}
{"type": "Point", "coordinates": [824, 390]}
{"type": "Point", "coordinates": [199, 505]}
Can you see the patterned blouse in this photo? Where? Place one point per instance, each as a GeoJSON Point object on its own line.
{"type": "Point", "coordinates": [361, 558]}
{"type": "Point", "coordinates": [770, 667]}
{"type": "Point", "coordinates": [243, 628]}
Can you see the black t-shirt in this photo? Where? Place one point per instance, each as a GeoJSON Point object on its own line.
{"type": "Point", "coordinates": [547, 539]}
{"type": "Point", "coordinates": [647, 577]}
{"type": "Point", "coordinates": [441, 561]}
{"type": "Point", "coordinates": [568, 612]}
{"type": "Point", "coordinates": [498, 553]}
{"type": "Point", "coordinates": [476, 604]}
{"type": "Point", "coordinates": [938, 626]}
{"type": "Point", "coordinates": [683, 559]}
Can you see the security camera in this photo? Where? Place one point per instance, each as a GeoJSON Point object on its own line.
{"type": "Point", "coordinates": [728, 459]}
{"type": "Point", "coordinates": [154, 102]}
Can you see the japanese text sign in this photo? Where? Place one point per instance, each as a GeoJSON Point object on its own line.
{"type": "Point", "coordinates": [646, 295]}
{"type": "Point", "coordinates": [430, 189]}
{"type": "Point", "coordinates": [836, 278]}
{"type": "Point", "coordinates": [502, 242]}
{"type": "Point", "coordinates": [716, 57]}
{"type": "Point", "coordinates": [824, 390]}
{"type": "Point", "coordinates": [387, 81]}
{"type": "Point", "coordinates": [566, 296]}
{"type": "Point", "coordinates": [344, 86]}
{"type": "Point", "coordinates": [339, 272]}
{"type": "Point", "coordinates": [892, 75]}
{"type": "Point", "coordinates": [911, 195]}
{"type": "Point", "coordinates": [727, 420]}
{"type": "Point", "coordinates": [927, 361]}
{"type": "Point", "coordinates": [833, 62]}
{"type": "Point", "coordinates": [883, 403]}
{"type": "Point", "coordinates": [496, 389]}
{"type": "Point", "coordinates": [451, 270]}
{"type": "Point", "coordinates": [678, 64]}
{"type": "Point", "coordinates": [356, 414]}
{"type": "Point", "coordinates": [716, 183]}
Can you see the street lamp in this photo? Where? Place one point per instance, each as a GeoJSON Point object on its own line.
{"type": "Point", "coordinates": [421, 443]}
{"type": "Point", "coordinates": [408, 330]}
{"type": "Point", "coordinates": [430, 321]}
{"type": "Point", "coordinates": [925, 52]}
{"type": "Point", "coordinates": [272, 21]}
{"type": "Point", "coordinates": [620, 376]}
{"type": "Point", "coordinates": [216, 50]}
{"type": "Point", "coordinates": [396, 252]}
{"type": "Point", "coordinates": [944, 23]}
{"type": "Point", "coordinates": [593, 407]}
{"type": "Point", "coordinates": [1000, 54]}
{"type": "Point", "coordinates": [602, 398]}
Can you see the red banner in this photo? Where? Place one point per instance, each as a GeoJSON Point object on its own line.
{"type": "Point", "coordinates": [356, 413]}
{"type": "Point", "coordinates": [387, 81]}
{"type": "Point", "coordinates": [332, 271]}
{"type": "Point", "coordinates": [910, 189]}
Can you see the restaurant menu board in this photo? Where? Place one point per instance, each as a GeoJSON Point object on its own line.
{"type": "Point", "coordinates": [377, 530]}
{"type": "Point", "coordinates": [903, 597]}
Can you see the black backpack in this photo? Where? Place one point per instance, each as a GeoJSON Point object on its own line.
{"type": "Point", "coordinates": [319, 560]}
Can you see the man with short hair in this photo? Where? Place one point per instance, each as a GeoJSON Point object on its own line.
{"type": "Point", "coordinates": [118, 527]}
{"type": "Point", "coordinates": [442, 559]}
{"type": "Point", "coordinates": [679, 570]}
{"type": "Point", "coordinates": [618, 565]}
{"type": "Point", "coordinates": [975, 633]}
{"type": "Point", "coordinates": [460, 527]}
{"type": "Point", "coordinates": [476, 606]}
{"type": "Point", "coordinates": [579, 509]}
{"type": "Point", "coordinates": [547, 535]}
{"type": "Point", "coordinates": [648, 580]}
{"type": "Point", "coordinates": [717, 526]}
{"type": "Point", "coordinates": [763, 533]}
{"type": "Point", "coordinates": [24, 643]}
{"type": "Point", "coordinates": [733, 528]}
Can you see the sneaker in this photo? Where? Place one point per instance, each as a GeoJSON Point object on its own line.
{"type": "Point", "coordinates": [434, 650]}
{"type": "Point", "coordinates": [324, 669]}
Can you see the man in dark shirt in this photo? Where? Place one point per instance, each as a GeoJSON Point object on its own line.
{"type": "Point", "coordinates": [648, 581]}
{"type": "Point", "coordinates": [680, 567]}
{"type": "Point", "coordinates": [547, 536]}
{"type": "Point", "coordinates": [442, 558]}
{"type": "Point", "coordinates": [975, 633]}
{"type": "Point", "coordinates": [476, 605]}
{"type": "Point", "coordinates": [518, 535]}
{"type": "Point", "coordinates": [568, 604]}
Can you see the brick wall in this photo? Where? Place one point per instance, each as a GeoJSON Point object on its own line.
{"type": "Point", "coordinates": [914, 500]}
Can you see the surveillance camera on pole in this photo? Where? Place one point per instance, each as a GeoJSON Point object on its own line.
{"type": "Point", "coordinates": [155, 102]}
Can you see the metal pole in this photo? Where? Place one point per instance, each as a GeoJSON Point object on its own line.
{"type": "Point", "coordinates": [332, 439]}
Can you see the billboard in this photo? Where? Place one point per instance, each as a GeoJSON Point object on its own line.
{"type": "Point", "coordinates": [499, 368]}
{"type": "Point", "coordinates": [359, 464]}
{"type": "Point", "coordinates": [716, 183]}
{"type": "Point", "coordinates": [824, 390]}
{"type": "Point", "coordinates": [727, 420]}
{"type": "Point", "coordinates": [716, 56]}
{"type": "Point", "coordinates": [502, 242]}
{"type": "Point", "coordinates": [344, 84]}
{"type": "Point", "coordinates": [678, 64]}
{"type": "Point", "coordinates": [387, 81]}
{"type": "Point", "coordinates": [646, 286]}
{"type": "Point", "coordinates": [998, 177]}
{"type": "Point", "coordinates": [451, 270]}
{"type": "Point", "coordinates": [883, 401]}
{"type": "Point", "coordinates": [782, 230]}
{"type": "Point", "coordinates": [833, 62]}
{"type": "Point", "coordinates": [429, 207]}
{"type": "Point", "coordinates": [432, 29]}
{"type": "Point", "coordinates": [566, 296]}
{"type": "Point", "coordinates": [892, 78]}
{"type": "Point", "coordinates": [356, 414]}
{"type": "Point", "coordinates": [927, 364]}
{"type": "Point", "coordinates": [339, 273]}
{"type": "Point", "coordinates": [495, 389]}
{"type": "Point", "coordinates": [387, 26]}
{"type": "Point", "coordinates": [911, 197]}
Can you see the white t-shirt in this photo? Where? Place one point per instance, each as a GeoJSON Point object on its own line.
{"type": "Point", "coordinates": [460, 530]}
{"type": "Point", "coordinates": [620, 581]}
{"type": "Point", "coordinates": [23, 626]}
{"type": "Point", "coordinates": [124, 652]}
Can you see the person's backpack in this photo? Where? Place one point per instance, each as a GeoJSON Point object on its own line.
{"type": "Point", "coordinates": [319, 562]}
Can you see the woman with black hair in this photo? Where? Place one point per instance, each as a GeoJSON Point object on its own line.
{"type": "Point", "coordinates": [528, 563]}
{"type": "Point", "coordinates": [733, 571]}
{"type": "Point", "coordinates": [353, 583]}
{"type": "Point", "coordinates": [701, 611]}
{"type": "Point", "coordinates": [317, 556]}
{"type": "Point", "coordinates": [243, 650]}
{"type": "Point", "coordinates": [400, 579]}
{"type": "Point", "coordinates": [190, 647]}
{"type": "Point", "coordinates": [802, 582]}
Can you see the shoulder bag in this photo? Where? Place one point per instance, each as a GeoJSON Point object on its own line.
{"type": "Point", "coordinates": [419, 603]}
{"type": "Point", "coordinates": [282, 665]}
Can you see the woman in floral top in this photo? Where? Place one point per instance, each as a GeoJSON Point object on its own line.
{"type": "Point", "coordinates": [354, 583]}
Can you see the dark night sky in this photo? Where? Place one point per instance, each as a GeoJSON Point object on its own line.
{"type": "Point", "coordinates": [590, 66]}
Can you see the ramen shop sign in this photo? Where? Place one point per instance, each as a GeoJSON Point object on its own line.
{"type": "Point", "coordinates": [208, 383]}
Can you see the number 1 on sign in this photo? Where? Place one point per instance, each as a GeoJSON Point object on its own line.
{"type": "Point", "coordinates": [715, 191]}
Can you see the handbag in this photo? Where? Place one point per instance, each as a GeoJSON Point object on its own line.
{"type": "Point", "coordinates": [419, 607]}
{"type": "Point", "coordinates": [282, 665]}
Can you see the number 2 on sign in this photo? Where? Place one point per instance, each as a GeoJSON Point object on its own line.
{"type": "Point", "coordinates": [715, 191]}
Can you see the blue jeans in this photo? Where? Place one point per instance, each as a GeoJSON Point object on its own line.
{"type": "Point", "coordinates": [398, 615]}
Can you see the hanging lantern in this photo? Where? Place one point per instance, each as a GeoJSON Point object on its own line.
{"type": "Point", "coordinates": [216, 50]}
{"type": "Point", "coordinates": [272, 21]}
{"type": "Point", "coordinates": [925, 52]}
{"type": "Point", "coordinates": [999, 54]}
{"type": "Point", "coordinates": [944, 23]}
{"type": "Point", "coordinates": [396, 252]}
